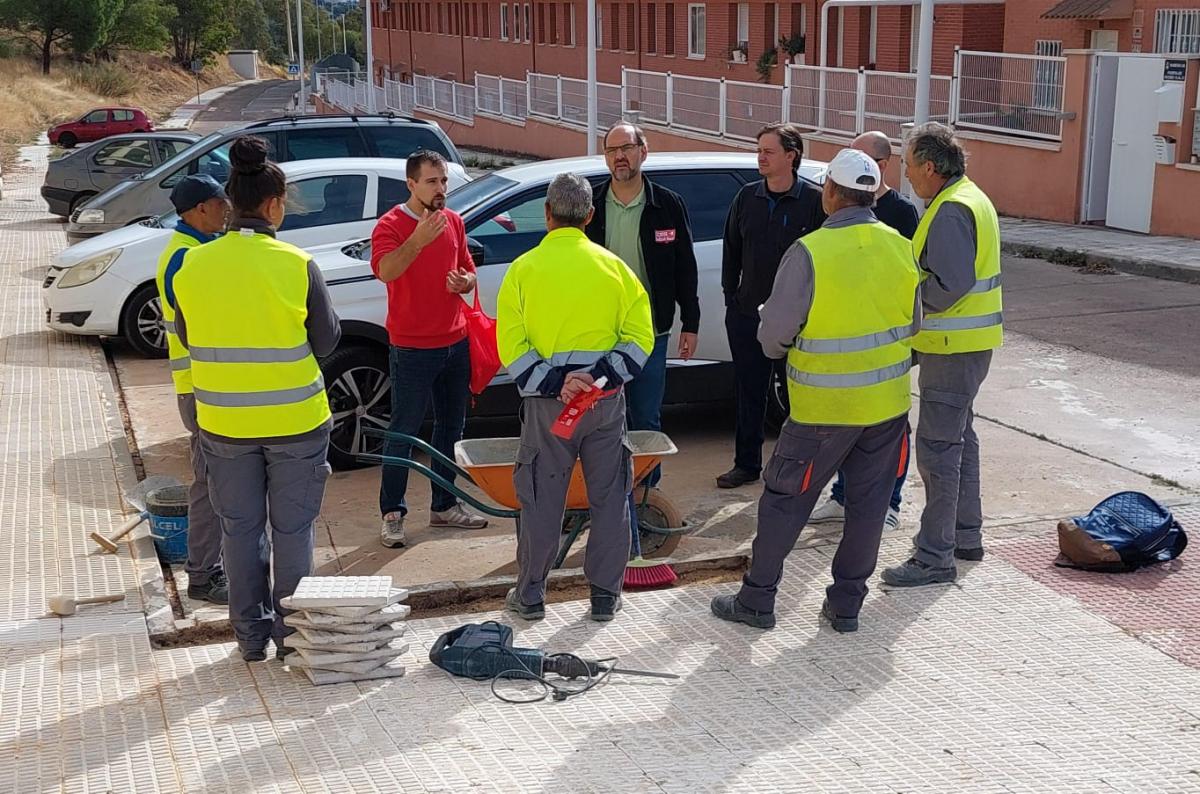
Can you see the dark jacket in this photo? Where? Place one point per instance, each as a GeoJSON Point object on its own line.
{"type": "Point", "coordinates": [666, 250]}
{"type": "Point", "coordinates": [758, 231]}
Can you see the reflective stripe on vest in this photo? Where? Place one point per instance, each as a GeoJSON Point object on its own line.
{"type": "Point", "coordinates": [975, 322]}
{"type": "Point", "coordinates": [850, 363]}
{"type": "Point", "coordinates": [245, 300]}
{"type": "Point", "coordinates": [181, 373]}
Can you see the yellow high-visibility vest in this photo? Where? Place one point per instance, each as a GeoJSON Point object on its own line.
{"type": "Point", "coordinates": [181, 366]}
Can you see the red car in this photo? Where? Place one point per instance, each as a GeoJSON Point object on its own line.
{"type": "Point", "coordinates": [100, 123]}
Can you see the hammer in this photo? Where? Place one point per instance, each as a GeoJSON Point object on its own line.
{"type": "Point", "coordinates": [109, 544]}
{"type": "Point", "coordinates": [65, 605]}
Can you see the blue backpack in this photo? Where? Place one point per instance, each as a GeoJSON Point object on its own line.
{"type": "Point", "coordinates": [1126, 531]}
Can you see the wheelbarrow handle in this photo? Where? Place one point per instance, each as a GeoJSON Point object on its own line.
{"type": "Point", "coordinates": [403, 438]}
{"type": "Point", "coordinates": [439, 480]}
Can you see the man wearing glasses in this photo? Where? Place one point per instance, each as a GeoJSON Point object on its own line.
{"type": "Point", "coordinates": [647, 226]}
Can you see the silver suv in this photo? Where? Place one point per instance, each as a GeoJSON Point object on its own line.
{"type": "Point", "coordinates": [147, 195]}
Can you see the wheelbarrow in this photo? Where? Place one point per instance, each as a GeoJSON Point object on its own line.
{"type": "Point", "coordinates": [488, 463]}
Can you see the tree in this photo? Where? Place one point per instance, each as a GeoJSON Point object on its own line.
{"type": "Point", "coordinates": [253, 26]}
{"type": "Point", "coordinates": [50, 22]}
{"type": "Point", "coordinates": [141, 25]}
{"type": "Point", "coordinates": [200, 28]}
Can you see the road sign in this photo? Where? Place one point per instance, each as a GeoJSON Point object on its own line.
{"type": "Point", "coordinates": [293, 68]}
{"type": "Point", "coordinates": [197, 66]}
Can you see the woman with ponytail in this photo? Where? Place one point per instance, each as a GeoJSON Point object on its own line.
{"type": "Point", "coordinates": [255, 315]}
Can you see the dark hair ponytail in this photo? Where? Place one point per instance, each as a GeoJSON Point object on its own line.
{"type": "Point", "coordinates": [253, 178]}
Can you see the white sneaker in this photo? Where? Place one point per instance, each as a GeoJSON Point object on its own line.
{"type": "Point", "coordinates": [830, 511]}
{"type": "Point", "coordinates": [457, 517]}
{"type": "Point", "coordinates": [391, 534]}
{"type": "Point", "coordinates": [892, 520]}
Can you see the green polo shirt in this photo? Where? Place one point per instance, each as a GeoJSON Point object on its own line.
{"type": "Point", "coordinates": [623, 233]}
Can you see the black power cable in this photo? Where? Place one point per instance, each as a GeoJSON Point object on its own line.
{"type": "Point", "coordinates": [594, 673]}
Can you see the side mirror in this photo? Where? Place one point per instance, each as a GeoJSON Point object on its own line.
{"type": "Point", "coordinates": [475, 249]}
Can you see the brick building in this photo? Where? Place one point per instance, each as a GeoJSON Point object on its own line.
{"type": "Point", "coordinates": [456, 39]}
{"type": "Point", "coordinates": [1046, 27]}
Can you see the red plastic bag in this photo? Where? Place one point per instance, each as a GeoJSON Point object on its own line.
{"type": "Point", "coordinates": [481, 338]}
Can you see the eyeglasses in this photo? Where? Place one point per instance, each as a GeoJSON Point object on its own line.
{"type": "Point", "coordinates": [626, 150]}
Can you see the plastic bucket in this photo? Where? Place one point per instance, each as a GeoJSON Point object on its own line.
{"type": "Point", "coordinates": [168, 508]}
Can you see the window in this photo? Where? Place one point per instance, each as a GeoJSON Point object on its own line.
{"type": "Point", "coordinates": [513, 228]}
{"type": "Point", "coordinates": [707, 196]}
{"type": "Point", "coordinates": [504, 22]}
{"type": "Point", "coordinates": [651, 29]}
{"type": "Point", "coordinates": [696, 30]}
{"type": "Point", "coordinates": [1177, 30]}
{"type": "Point", "coordinates": [441, 18]}
{"type": "Point", "coordinates": [528, 21]}
{"type": "Point", "coordinates": [743, 24]}
{"type": "Point", "coordinates": [1047, 75]}
{"type": "Point", "coordinates": [669, 29]}
{"type": "Point", "coordinates": [541, 23]}
{"type": "Point", "coordinates": [798, 10]}
{"type": "Point", "coordinates": [168, 149]}
{"type": "Point", "coordinates": [325, 201]}
{"type": "Point", "coordinates": [96, 117]}
{"type": "Point", "coordinates": [614, 33]}
{"type": "Point", "coordinates": [122, 115]}
{"type": "Point", "coordinates": [392, 193]}
{"type": "Point", "coordinates": [124, 154]}
{"type": "Point", "coordinates": [630, 28]}
{"type": "Point", "coordinates": [516, 21]}
{"type": "Point", "coordinates": [487, 20]}
{"type": "Point", "coordinates": [771, 25]}
{"type": "Point", "coordinates": [568, 38]}
{"type": "Point", "coordinates": [401, 141]}
{"type": "Point", "coordinates": [599, 25]}
{"type": "Point", "coordinates": [312, 144]}
{"type": "Point", "coordinates": [553, 24]}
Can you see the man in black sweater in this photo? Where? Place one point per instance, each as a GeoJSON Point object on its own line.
{"type": "Point", "coordinates": [765, 219]}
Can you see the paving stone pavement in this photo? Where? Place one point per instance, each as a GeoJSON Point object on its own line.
{"type": "Point", "coordinates": [1175, 258]}
{"type": "Point", "coordinates": [1018, 678]}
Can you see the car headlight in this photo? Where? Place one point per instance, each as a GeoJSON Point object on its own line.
{"type": "Point", "coordinates": [90, 216]}
{"type": "Point", "coordinates": [88, 270]}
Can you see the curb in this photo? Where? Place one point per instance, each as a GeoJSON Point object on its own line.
{"type": "Point", "coordinates": [1074, 257]}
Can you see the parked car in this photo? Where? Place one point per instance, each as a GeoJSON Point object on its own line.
{"type": "Point", "coordinates": [105, 286]}
{"type": "Point", "coordinates": [89, 170]}
{"type": "Point", "coordinates": [99, 123]}
{"type": "Point", "coordinates": [147, 195]}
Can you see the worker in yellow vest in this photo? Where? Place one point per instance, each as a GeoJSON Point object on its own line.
{"type": "Point", "coordinates": [255, 315]}
{"type": "Point", "coordinates": [843, 310]}
{"type": "Point", "coordinates": [957, 245]}
{"type": "Point", "coordinates": [203, 210]}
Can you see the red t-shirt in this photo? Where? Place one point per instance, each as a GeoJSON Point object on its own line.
{"type": "Point", "coordinates": [421, 312]}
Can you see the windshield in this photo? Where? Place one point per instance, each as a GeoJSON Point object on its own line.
{"type": "Point", "coordinates": [472, 194]}
{"type": "Point", "coordinates": [182, 157]}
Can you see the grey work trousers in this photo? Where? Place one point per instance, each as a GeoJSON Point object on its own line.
{"type": "Point", "coordinates": [248, 482]}
{"type": "Point", "coordinates": [805, 458]}
{"type": "Point", "coordinates": [947, 452]}
{"type": "Point", "coordinates": [541, 476]}
{"type": "Point", "coordinates": [204, 528]}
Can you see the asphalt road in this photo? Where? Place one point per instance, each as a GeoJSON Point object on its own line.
{"type": "Point", "coordinates": [249, 103]}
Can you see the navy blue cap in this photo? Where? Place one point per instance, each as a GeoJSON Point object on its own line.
{"type": "Point", "coordinates": [192, 191]}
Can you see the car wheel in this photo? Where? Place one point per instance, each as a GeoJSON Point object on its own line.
{"type": "Point", "coordinates": [142, 323]}
{"type": "Point", "coordinates": [67, 140]}
{"type": "Point", "coordinates": [779, 407]}
{"type": "Point", "coordinates": [77, 202]}
{"type": "Point", "coordinates": [359, 387]}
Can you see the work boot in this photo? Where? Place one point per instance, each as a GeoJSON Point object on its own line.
{"type": "Point", "coordinates": [841, 624]}
{"type": "Point", "coordinates": [827, 512]}
{"type": "Point", "coordinates": [282, 652]}
{"type": "Point", "coordinates": [970, 555]}
{"type": "Point", "coordinates": [914, 573]}
{"type": "Point", "coordinates": [528, 611]}
{"type": "Point", "coordinates": [605, 605]}
{"type": "Point", "coordinates": [736, 477]}
{"type": "Point", "coordinates": [727, 607]}
{"type": "Point", "coordinates": [253, 654]}
{"type": "Point", "coordinates": [391, 534]}
{"type": "Point", "coordinates": [214, 591]}
{"type": "Point", "coordinates": [458, 518]}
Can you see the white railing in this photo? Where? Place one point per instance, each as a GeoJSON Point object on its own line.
{"type": "Point", "coordinates": [565, 99]}
{"type": "Point", "coordinates": [751, 106]}
{"type": "Point", "coordinates": [487, 94]}
{"type": "Point", "coordinates": [446, 97]}
{"type": "Point", "coordinates": [399, 97]}
{"type": "Point", "coordinates": [826, 99]}
{"type": "Point", "coordinates": [514, 95]}
{"type": "Point", "coordinates": [696, 104]}
{"type": "Point", "coordinates": [648, 94]}
{"type": "Point", "coordinates": [1013, 94]}
{"type": "Point", "coordinates": [890, 99]}
{"type": "Point", "coordinates": [543, 96]}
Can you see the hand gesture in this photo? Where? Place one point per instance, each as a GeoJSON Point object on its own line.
{"type": "Point", "coordinates": [428, 228]}
{"type": "Point", "coordinates": [576, 383]}
{"type": "Point", "coordinates": [687, 346]}
{"type": "Point", "coordinates": [460, 280]}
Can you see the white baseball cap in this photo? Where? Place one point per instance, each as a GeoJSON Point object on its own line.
{"type": "Point", "coordinates": [854, 169]}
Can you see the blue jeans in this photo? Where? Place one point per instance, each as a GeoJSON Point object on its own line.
{"type": "Point", "coordinates": [444, 373]}
{"type": "Point", "coordinates": [644, 396]}
{"type": "Point", "coordinates": [839, 484]}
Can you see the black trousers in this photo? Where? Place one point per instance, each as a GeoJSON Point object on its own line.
{"type": "Point", "coordinates": [753, 372]}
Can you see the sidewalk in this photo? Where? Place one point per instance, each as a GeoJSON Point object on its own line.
{"type": "Point", "coordinates": [1172, 258]}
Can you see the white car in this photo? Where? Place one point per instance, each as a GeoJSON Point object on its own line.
{"type": "Point", "coordinates": [105, 285]}
{"type": "Point", "coordinates": [504, 217]}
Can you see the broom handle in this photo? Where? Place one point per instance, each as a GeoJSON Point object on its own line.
{"type": "Point", "coordinates": [635, 543]}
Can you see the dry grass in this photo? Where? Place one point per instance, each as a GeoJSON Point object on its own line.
{"type": "Point", "coordinates": [30, 103]}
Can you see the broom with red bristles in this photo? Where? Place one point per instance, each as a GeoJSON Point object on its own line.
{"type": "Point", "coordinates": [641, 572]}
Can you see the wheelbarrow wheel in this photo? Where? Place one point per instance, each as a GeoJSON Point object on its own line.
{"type": "Point", "coordinates": [657, 510]}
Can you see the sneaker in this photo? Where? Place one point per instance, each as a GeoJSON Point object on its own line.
{"type": "Point", "coordinates": [892, 520]}
{"type": "Point", "coordinates": [458, 518]}
{"type": "Point", "coordinates": [914, 573]}
{"type": "Point", "coordinates": [829, 511]}
{"type": "Point", "coordinates": [528, 611]}
{"type": "Point", "coordinates": [253, 654]}
{"type": "Point", "coordinates": [214, 591]}
{"type": "Point", "coordinates": [736, 477]}
{"type": "Point", "coordinates": [841, 624]}
{"type": "Point", "coordinates": [605, 605]}
{"type": "Point", "coordinates": [727, 607]}
{"type": "Point", "coordinates": [971, 555]}
{"type": "Point", "coordinates": [391, 534]}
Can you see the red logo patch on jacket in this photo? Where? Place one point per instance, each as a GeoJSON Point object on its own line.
{"type": "Point", "coordinates": [664, 235]}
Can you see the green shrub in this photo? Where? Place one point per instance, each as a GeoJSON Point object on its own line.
{"type": "Point", "coordinates": [104, 79]}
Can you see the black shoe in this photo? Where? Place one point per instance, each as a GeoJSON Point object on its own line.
{"type": "Point", "coordinates": [736, 477]}
{"type": "Point", "coordinates": [605, 605]}
{"type": "Point", "coordinates": [971, 555]}
{"type": "Point", "coordinates": [214, 591]}
{"type": "Point", "coordinates": [528, 611]}
{"type": "Point", "coordinates": [914, 573]}
{"type": "Point", "coordinates": [254, 654]}
{"type": "Point", "coordinates": [727, 607]}
{"type": "Point", "coordinates": [840, 624]}
{"type": "Point", "coordinates": [282, 652]}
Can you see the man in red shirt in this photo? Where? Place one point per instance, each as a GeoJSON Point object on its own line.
{"type": "Point", "coordinates": [419, 249]}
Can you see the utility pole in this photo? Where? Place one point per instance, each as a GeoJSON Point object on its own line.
{"type": "Point", "coordinates": [287, 18]}
{"type": "Point", "coordinates": [591, 77]}
{"type": "Point", "coordinates": [370, 58]}
{"type": "Point", "coordinates": [345, 49]}
{"type": "Point", "coordinates": [924, 62]}
{"type": "Point", "coordinates": [320, 54]}
{"type": "Point", "coordinates": [300, 41]}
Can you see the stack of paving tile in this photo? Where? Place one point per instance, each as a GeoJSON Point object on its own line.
{"type": "Point", "coordinates": [348, 628]}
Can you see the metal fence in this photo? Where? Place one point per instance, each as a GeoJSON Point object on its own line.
{"type": "Point", "coordinates": [890, 100]}
{"type": "Point", "coordinates": [513, 95]}
{"type": "Point", "coordinates": [751, 106]}
{"type": "Point", "coordinates": [648, 94]}
{"type": "Point", "coordinates": [570, 100]}
{"type": "Point", "coordinates": [1013, 94]}
{"type": "Point", "coordinates": [446, 97]}
{"type": "Point", "coordinates": [696, 104]}
{"type": "Point", "coordinates": [826, 99]}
